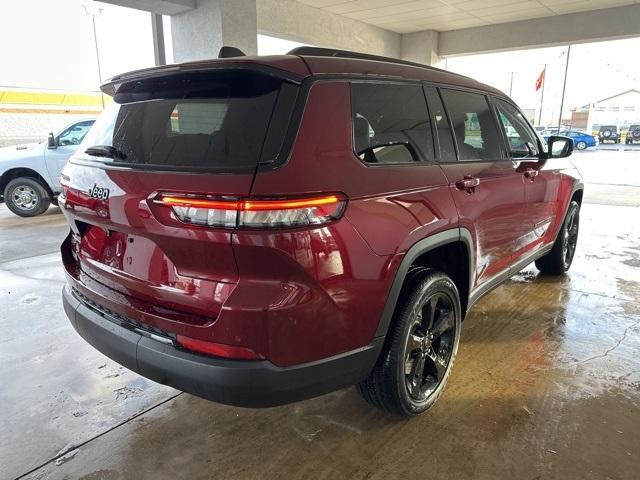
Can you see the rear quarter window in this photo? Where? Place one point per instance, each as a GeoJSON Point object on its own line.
{"type": "Point", "coordinates": [390, 123]}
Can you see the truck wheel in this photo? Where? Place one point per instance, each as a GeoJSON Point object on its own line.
{"type": "Point", "coordinates": [559, 259]}
{"type": "Point", "coordinates": [420, 348]}
{"type": "Point", "coordinates": [26, 197]}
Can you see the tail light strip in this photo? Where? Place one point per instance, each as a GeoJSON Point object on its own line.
{"type": "Point", "coordinates": [255, 213]}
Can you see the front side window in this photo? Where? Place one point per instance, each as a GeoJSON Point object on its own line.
{"type": "Point", "coordinates": [473, 125]}
{"type": "Point", "coordinates": [75, 133]}
{"type": "Point", "coordinates": [521, 140]}
{"type": "Point", "coordinates": [390, 123]}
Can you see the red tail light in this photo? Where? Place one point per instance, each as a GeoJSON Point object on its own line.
{"type": "Point", "coordinates": [218, 349]}
{"type": "Point", "coordinates": [255, 213]}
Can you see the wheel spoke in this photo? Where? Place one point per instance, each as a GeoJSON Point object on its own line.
{"type": "Point", "coordinates": [414, 343]}
{"type": "Point", "coordinates": [442, 324]}
{"type": "Point", "coordinates": [416, 375]}
{"type": "Point", "coordinates": [433, 308]}
{"type": "Point", "coordinates": [439, 363]}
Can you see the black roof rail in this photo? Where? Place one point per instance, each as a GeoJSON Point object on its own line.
{"type": "Point", "coordinates": [330, 52]}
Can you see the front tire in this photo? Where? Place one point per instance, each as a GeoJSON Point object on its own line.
{"type": "Point", "coordinates": [26, 197]}
{"type": "Point", "coordinates": [581, 145]}
{"type": "Point", "coordinates": [559, 259]}
{"type": "Point", "coordinates": [420, 348]}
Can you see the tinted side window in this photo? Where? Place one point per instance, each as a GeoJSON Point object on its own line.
{"type": "Point", "coordinates": [441, 124]}
{"type": "Point", "coordinates": [390, 123]}
{"type": "Point", "coordinates": [473, 125]}
{"type": "Point", "coordinates": [521, 140]}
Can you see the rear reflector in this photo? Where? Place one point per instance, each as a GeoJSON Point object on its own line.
{"type": "Point", "coordinates": [218, 349]}
{"type": "Point", "coordinates": [255, 213]}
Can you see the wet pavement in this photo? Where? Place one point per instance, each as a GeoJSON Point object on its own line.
{"type": "Point", "coordinates": [546, 384]}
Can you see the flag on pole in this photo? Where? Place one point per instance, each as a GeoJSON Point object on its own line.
{"type": "Point", "coordinates": [540, 79]}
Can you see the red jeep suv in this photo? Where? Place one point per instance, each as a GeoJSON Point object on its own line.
{"type": "Point", "coordinates": [261, 230]}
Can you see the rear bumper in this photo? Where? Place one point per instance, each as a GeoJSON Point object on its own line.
{"type": "Point", "coordinates": [232, 382]}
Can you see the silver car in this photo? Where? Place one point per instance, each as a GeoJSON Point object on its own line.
{"type": "Point", "coordinates": [30, 173]}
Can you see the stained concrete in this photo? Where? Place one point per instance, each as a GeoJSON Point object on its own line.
{"type": "Point", "coordinates": [546, 384]}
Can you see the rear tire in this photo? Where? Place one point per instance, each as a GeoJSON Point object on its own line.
{"type": "Point", "coordinates": [559, 259]}
{"type": "Point", "coordinates": [420, 347]}
{"type": "Point", "coordinates": [26, 197]}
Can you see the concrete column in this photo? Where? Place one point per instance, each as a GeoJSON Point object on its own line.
{"type": "Point", "coordinates": [198, 34]}
{"type": "Point", "coordinates": [157, 31]}
{"type": "Point", "coordinates": [420, 47]}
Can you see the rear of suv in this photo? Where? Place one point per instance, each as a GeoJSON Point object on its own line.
{"type": "Point", "coordinates": [261, 230]}
{"type": "Point", "coordinates": [608, 133]}
{"type": "Point", "coordinates": [633, 134]}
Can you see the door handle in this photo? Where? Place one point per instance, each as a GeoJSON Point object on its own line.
{"type": "Point", "coordinates": [531, 173]}
{"type": "Point", "coordinates": [468, 183]}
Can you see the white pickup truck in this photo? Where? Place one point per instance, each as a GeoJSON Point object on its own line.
{"type": "Point", "coordinates": [30, 173]}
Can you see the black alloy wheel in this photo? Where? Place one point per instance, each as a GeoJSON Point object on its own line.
{"type": "Point", "coordinates": [429, 345]}
{"type": "Point", "coordinates": [420, 347]}
{"type": "Point", "coordinates": [560, 257]}
{"type": "Point", "coordinates": [570, 233]}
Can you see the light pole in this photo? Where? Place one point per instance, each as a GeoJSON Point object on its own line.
{"type": "Point", "coordinates": [564, 87]}
{"type": "Point", "coordinates": [511, 83]}
{"type": "Point", "coordinates": [92, 13]}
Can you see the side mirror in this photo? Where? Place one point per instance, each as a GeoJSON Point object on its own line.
{"type": "Point", "coordinates": [559, 147]}
{"type": "Point", "coordinates": [51, 141]}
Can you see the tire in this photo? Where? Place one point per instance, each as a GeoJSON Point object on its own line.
{"type": "Point", "coordinates": [26, 197]}
{"type": "Point", "coordinates": [559, 259]}
{"type": "Point", "coordinates": [581, 145]}
{"type": "Point", "coordinates": [406, 379]}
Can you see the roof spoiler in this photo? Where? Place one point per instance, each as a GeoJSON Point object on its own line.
{"type": "Point", "coordinates": [230, 52]}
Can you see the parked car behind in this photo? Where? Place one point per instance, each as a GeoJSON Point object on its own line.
{"type": "Point", "coordinates": [633, 134]}
{"type": "Point", "coordinates": [580, 140]}
{"type": "Point", "coordinates": [608, 133]}
{"type": "Point", "coordinates": [30, 173]}
{"type": "Point", "coordinates": [260, 230]}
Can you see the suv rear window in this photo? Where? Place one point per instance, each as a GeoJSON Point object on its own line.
{"type": "Point", "coordinates": [196, 121]}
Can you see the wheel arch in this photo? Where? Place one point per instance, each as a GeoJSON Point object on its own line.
{"type": "Point", "coordinates": [450, 251]}
{"type": "Point", "coordinates": [18, 172]}
{"type": "Point", "coordinates": [577, 195]}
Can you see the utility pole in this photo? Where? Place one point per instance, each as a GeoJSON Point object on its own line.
{"type": "Point", "coordinates": [93, 14]}
{"type": "Point", "coordinates": [564, 88]}
{"type": "Point", "coordinates": [511, 83]}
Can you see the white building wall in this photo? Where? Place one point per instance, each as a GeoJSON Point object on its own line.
{"type": "Point", "coordinates": [621, 110]}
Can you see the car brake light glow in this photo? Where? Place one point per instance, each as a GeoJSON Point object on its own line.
{"type": "Point", "coordinates": [217, 349]}
{"type": "Point", "coordinates": [254, 213]}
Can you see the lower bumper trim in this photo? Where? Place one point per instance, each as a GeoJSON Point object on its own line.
{"type": "Point", "coordinates": [232, 382]}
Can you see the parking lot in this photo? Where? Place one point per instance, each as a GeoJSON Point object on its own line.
{"type": "Point", "coordinates": [546, 385]}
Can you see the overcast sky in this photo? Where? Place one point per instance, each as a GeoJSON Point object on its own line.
{"type": "Point", "coordinates": [49, 44]}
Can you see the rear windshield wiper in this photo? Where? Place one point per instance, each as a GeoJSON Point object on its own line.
{"type": "Point", "coordinates": [106, 151]}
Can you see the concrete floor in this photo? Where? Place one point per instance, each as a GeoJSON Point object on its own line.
{"type": "Point", "coordinates": [546, 385]}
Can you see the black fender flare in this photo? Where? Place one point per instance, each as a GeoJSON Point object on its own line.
{"type": "Point", "coordinates": [419, 248]}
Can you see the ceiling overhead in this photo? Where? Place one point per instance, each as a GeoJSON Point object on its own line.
{"type": "Point", "coordinates": [404, 16]}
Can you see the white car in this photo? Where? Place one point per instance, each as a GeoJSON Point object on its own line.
{"type": "Point", "coordinates": [30, 173]}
